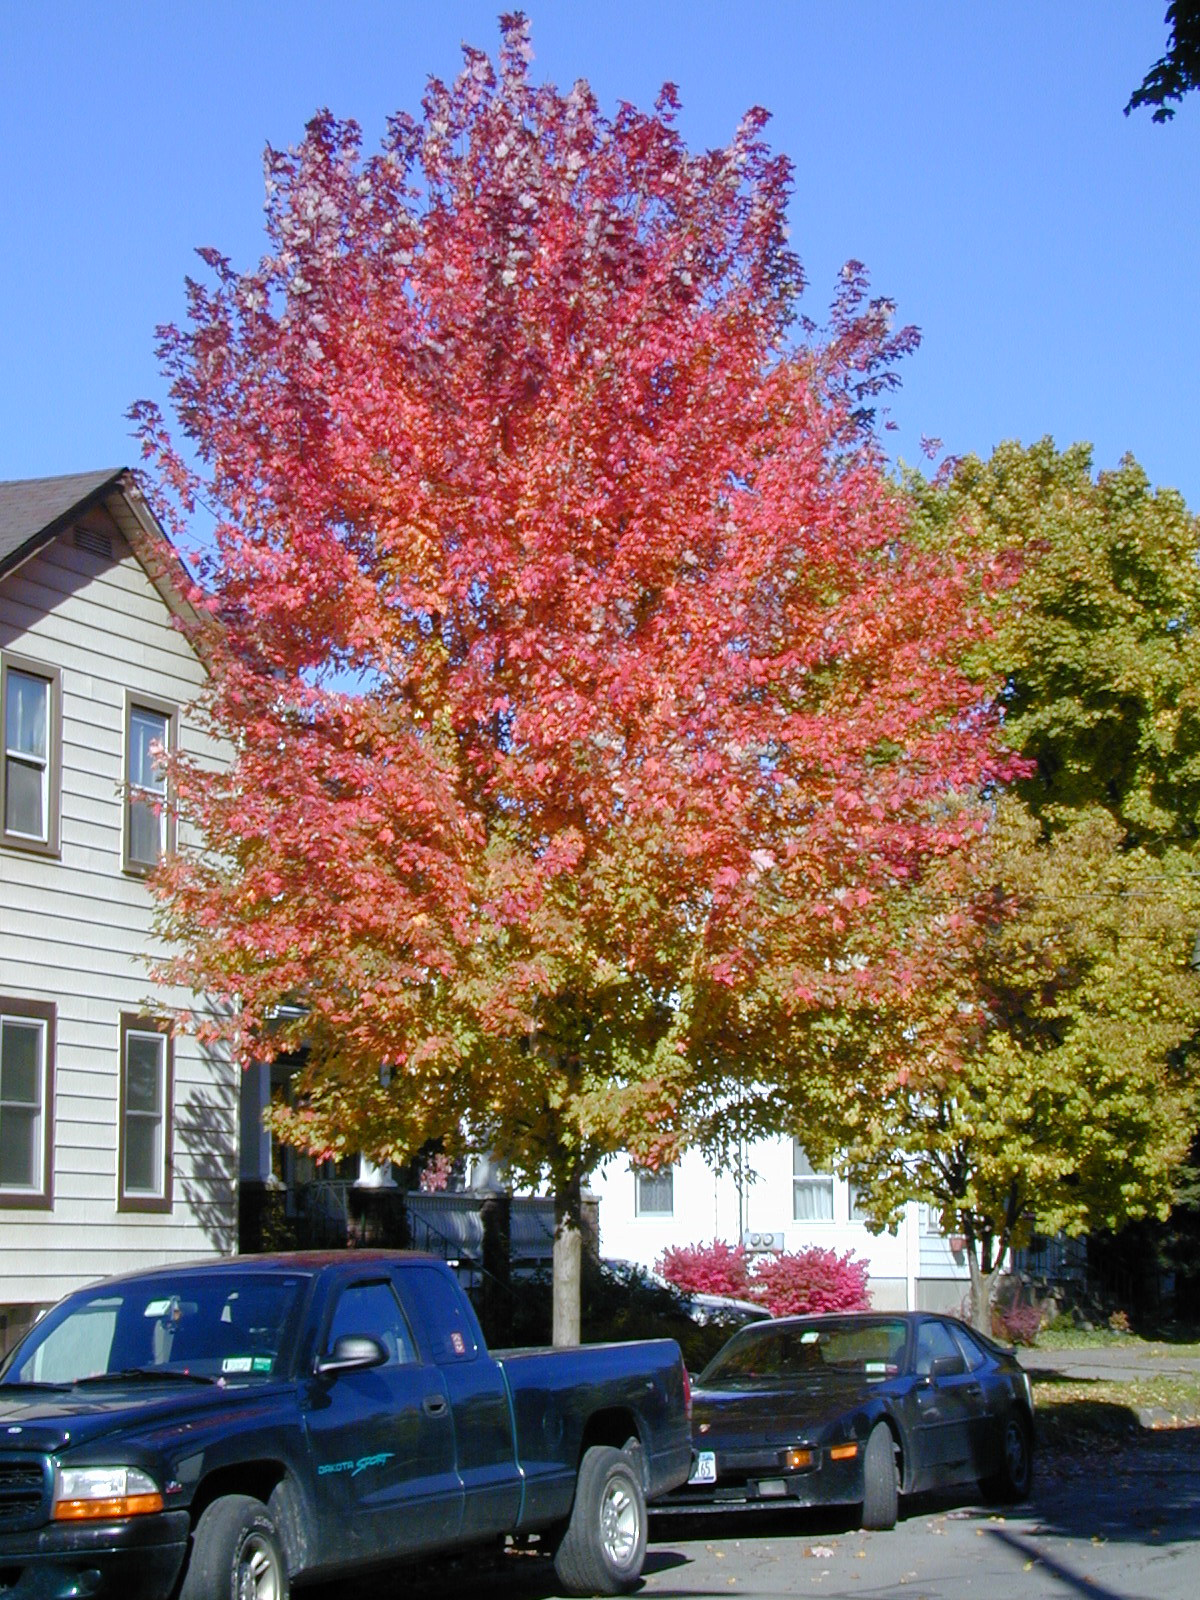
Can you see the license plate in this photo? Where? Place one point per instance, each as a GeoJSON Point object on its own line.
{"type": "Point", "coordinates": [704, 1467]}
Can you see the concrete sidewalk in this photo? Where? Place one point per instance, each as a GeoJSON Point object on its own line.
{"type": "Point", "coordinates": [1112, 1363]}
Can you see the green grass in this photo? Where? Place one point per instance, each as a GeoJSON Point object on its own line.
{"type": "Point", "coordinates": [1068, 1338]}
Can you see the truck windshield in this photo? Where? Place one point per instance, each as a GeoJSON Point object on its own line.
{"type": "Point", "coordinates": [231, 1327]}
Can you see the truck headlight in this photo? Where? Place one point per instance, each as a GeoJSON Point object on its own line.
{"type": "Point", "coordinates": [85, 1494]}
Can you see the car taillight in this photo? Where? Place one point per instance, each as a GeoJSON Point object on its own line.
{"type": "Point", "coordinates": [687, 1395]}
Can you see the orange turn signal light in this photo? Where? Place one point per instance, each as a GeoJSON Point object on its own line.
{"type": "Point", "coordinates": [843, 1452]}
{"type": "Point", "coordinates": [799, 1458]}
{"type": "Point", "coordinates": [126, 1505]}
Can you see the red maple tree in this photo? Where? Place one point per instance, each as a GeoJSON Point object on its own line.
{"type": "Point", "coordinates": [584, 686]}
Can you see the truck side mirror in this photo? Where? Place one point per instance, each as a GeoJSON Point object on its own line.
{"type": "Point", "coordinates": [351, 1352]}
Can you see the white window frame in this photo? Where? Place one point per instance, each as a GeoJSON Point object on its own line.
{"type": "Point", "coordinates": [643, 1175]}
{"type": "Point", "coordinates": [811, 1180]}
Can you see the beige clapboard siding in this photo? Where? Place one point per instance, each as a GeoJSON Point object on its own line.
{"type": "Point", "coordinates": [77, 930]}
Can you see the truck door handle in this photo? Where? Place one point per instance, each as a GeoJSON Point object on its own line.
{"type": "Point", "coordinates": [435, 1405]}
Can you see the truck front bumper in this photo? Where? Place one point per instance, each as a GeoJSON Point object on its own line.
{"type": "Point", "coordinates": [139, 1558]}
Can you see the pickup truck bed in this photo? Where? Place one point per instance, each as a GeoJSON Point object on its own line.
{"type": "Point", "coordinates": [236, 1425]}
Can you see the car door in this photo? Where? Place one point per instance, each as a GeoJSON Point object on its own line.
{"type": "Point", "coordinates": [491, 1477]}
{"type": "Point", "coordinates": [948, 1402]}
{"type": "Point", "coordinates": [990, 1397]}
{"type": "Point", "coordinates": [382, 1438]}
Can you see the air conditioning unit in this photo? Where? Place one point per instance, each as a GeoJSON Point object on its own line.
{"type": "Point", "coordinates": [758, 1242]}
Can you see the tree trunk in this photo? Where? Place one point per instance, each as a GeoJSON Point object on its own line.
{"type": "Point", "coordinates": [983, 1290]}
{"type": "Point", "coordinates": [568, 1261]}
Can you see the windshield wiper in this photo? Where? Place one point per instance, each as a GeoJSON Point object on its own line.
{"type": "Point", "coordinates": [145, 1372]}
{"type": "Point", "coordinates": [32, 1383]}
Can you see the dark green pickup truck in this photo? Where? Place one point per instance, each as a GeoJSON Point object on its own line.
{"type": "Point", "coordinates": [216, 1431]}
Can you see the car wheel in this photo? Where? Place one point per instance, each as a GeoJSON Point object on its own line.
{"type": "Point", "coordinates": [236, 1554]}
{"type": "Point", "coordinates": [1015, 1477]}
{"type": "Point", "coordinates": [604, 1546]}
{"type": "Point", "coordinates": [881, 1485]}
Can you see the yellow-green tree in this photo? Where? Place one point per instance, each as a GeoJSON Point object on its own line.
{"type": "Point", "coordinates": [1040, 1069]}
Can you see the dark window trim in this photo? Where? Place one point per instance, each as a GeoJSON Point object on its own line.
{"type": "Point", "coordinates": [37, 1199]}
{"type": "Point", "coordinates": [51, 844]}
{"type": "Point", "coordinates": [167, 708]}
{"type": "Point", "coordinates": [134, 1022]}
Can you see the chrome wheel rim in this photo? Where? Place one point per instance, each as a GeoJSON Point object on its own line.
{"type": "Point", "coordinates": [257, 1571]}
{"type": "Point", "coordinates": [620, 1523]}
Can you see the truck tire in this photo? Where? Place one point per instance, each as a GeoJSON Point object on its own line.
{"type": "Point", "coordinates": [881, 1490]}
{"type": "Point", "coordinates": [604, 1546]}
{"type": "Point", "coordinates": [236, 1554]}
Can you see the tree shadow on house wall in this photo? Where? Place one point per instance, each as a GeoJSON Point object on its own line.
{"type": "Point", "coordinates": [206, 1162]}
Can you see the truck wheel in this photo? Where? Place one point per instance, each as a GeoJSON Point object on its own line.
{"type": "Point", "coordinates": [236, 1554]}
{"type": "Point", "coordinates": [605, 1543]}
{"type": "Point", "coordinates": [881, 1491]}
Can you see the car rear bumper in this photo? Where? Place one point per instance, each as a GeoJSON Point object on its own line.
{"type": "Point", "coordinates": [830, 1483]}
{"type": "Point", "coordinates": [138, 1559]}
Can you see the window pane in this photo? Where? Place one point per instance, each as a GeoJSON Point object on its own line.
{"type": "Point", "coordinates": [145, 831]}
{"type": "Point", "coordinates": [143, 1072]}
{"type": "Point", "coordinates": [656, 1193]}
{"type": "Point", "coordinates": [24, 799]}
{"type": "Point", "coordinates": [18, 1148]}
{"type": "Point", "coordinates": [142, 1166]}
{"type": "Point", "coordinates": [802, 1167]}
{"type": "Point", "coordinates": [146, 729]}
{"type": "Point", "coordinates": [27, 715]}
{"type": "Point", "coordinates": [371, 1309]}
{"type": "Point", "coordinates": [21, 1063]}
{"type": "Point", "coordinates": [812, 1200]}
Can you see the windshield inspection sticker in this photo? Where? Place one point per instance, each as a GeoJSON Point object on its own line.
{"type": "Point", "coordinates": [236, 1364]}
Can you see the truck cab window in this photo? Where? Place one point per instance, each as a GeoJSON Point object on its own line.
{"type": "Point", "coordinates": [371, 1309]}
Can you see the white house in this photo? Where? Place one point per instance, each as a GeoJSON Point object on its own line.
{"type": "Point", "coordinates": [118, 1145]}
{"type": "Point", "coordinates": [785, 1204]}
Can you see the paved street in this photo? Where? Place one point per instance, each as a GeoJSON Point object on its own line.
{"type": "Point", "coordinates": [1119, 1527]}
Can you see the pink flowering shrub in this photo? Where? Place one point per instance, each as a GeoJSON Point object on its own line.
{"type": "Point", "coordinates": [1017, 1324]}
{"type": "Point", "coordinates": [810, 1281]}
{"type": "Point", "coordinates": [716, 1268]}
{"type": "Point", "coordinates": [787, 1284]}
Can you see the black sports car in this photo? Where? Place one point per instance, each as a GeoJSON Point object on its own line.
{"type": "Point", "coordinates": [856, 1409]}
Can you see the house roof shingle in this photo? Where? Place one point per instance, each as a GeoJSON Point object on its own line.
{"type": "Point", "coordinates": [30, 508]}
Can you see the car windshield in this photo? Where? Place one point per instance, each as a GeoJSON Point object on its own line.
{"type": "Point", "coordinates": [230, 1327]}
{"type": "Point", "coordinates": [802, 1351]}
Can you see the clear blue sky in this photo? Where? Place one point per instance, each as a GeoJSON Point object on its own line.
{"type": "Point", "coordinates": [973, 155]}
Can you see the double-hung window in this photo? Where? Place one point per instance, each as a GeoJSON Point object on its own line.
{"type": "Point", "coordinates": [812, 1188]}
{"type": "Point", "coordinates": [144, 1156]}
{"type": "Point", "coordinates": [151, 728]}
{"type": "Point", "coordinates": [30, 740]}
{"type": "Point", "coordinates": [26, 1101]}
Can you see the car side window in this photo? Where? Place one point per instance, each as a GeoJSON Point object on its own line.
{"type": "Point", "coordinates": [372, 1309]}
{"type": "Point", "coordinates": [933, 1340]}
{"type": "Point", "coordinates": [971, 1353]}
